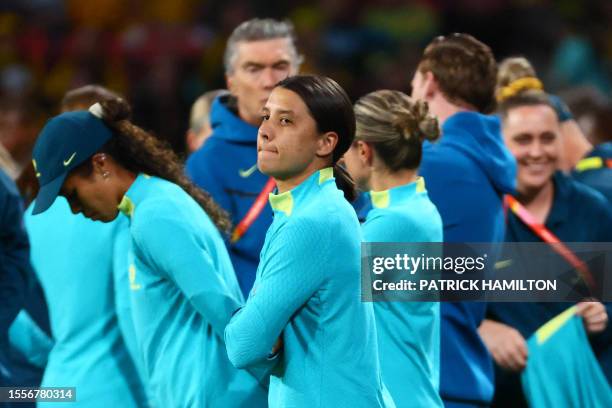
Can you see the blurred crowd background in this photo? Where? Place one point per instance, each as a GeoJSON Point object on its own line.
{"type": "Point", "coordinates": [163, 54]}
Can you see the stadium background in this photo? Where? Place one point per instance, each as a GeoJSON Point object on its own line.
{"type": "Point", "coordinates": [162, 54]}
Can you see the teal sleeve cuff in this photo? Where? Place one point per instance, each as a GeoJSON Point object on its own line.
{"type": "Point", "coordinates": [30, 340]}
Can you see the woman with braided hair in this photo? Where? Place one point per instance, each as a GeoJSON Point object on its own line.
{"type": "Point", "coordinates": [384, 158]}
{"type": "Point", "coordinates": [182, 285]}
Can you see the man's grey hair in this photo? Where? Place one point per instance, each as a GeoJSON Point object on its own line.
{"type": "Point", "coordinates": [258, 29]}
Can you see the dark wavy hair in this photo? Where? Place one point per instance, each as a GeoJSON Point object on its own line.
{"type": "Point", "coordinates": [140, 152]}
{"type": "Point", "coordinates": [332, 111]}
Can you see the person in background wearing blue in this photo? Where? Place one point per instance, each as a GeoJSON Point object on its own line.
{"type": "Point", "coordinates": [595, 168]}
{"type": "Point", "coordinates": [571, 211]}
{"type": "Point", "coordinates": [182, 285]}
{"type": "Point", "coordinates": [14, 268]}
{"type": "Point", "coordinates": [304, 310]}
{"type": "Point", "coordinates": [74, 260]}
{"type": "Point", "coordinates": [200, 128]}
{"type": "Point", "coordinates": [467, 173]}
{"type": "Point", "coordinates": [384, 158]}
{"type": "Point", "coordinates": [259, 53]}
{"type": "Point", "coordinates": [20, 122]}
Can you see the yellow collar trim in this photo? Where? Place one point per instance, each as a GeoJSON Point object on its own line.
{"type": "Point", "coordinates": [380, 199]}
{"type": "Point", "coordinates": [282, 202]}
{"type": "Point", "coordinates": [325, 174]}
{"type": "Point", "coordinates": [126, 206]}
{"type": "Point", "coordinates": [420, 185]}
{"type": "Point", "coordinates": [590, 163]}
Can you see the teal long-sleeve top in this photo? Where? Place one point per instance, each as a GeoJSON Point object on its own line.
{"type": "Point", "coordinates": [183, 292]}
{"type": "Point", "coordinates": [122, 259]}
{"type": "Point", "coordinates": [72, 259]}
{"type": "Point", "coordinates": [408, 332]}
{"type": "Point", "coordinates": [307, 290]}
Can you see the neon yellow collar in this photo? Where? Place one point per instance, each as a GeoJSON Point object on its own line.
{"type": "Point", "coordinates": [126, 206]}
{"type": "Point", "coordinates": [284, 202]}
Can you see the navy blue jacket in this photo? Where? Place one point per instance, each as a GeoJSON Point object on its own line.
{"type": "Point", "coordinates": [598, 176]}
{"type": "Point", "coordinates": [578, 214]}
{"type": "Point", "coordinates": [226, 167]}
{"type": "Point", "coordinates": [466, 174]}
{"type": "Point", "coordinates": [14, 265]}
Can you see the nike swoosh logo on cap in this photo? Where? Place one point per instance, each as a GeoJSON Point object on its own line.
{"type": "Point", "coordinates": [35, 169]}
{"type": "Point", "coordinates": [69, 160]}
{"type": "Point", "coordinates": [247, 173]}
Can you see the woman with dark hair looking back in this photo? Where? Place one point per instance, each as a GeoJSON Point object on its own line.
{"type": "Point", "coordinates": [182, 285]}
{"type": "Point", "coordinates": [305, 310]}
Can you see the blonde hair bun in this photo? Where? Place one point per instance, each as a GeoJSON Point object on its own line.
{"type": "Point", "coordinates": [396, 125]}
{"type": "Point", "coordinates": [413, 120]}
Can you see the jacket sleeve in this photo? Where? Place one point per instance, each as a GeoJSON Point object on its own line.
{"type": "Point", "coordinates": [30, 340]}
{"type": "Point", "coordinates": [14, 257]}
{"type": "Point", "coordinates": [292, 272]}
{"type": "Point", "coordinates": [174, 248]}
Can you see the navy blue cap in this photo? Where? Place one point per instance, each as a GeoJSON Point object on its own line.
{"type": "Point", "coordinates": [66, 141]}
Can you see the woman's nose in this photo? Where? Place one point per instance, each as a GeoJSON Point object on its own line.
{"type": "Point", "coordinates": [264, 131]}
{"type": "Point", "coordinates": [535, 150]}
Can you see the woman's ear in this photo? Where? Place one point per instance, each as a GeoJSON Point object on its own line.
{"type": "Point", "coordinates": [365, 152]}
{"type": "Point", "coordinates": [326, 144]}
{"type": "Point", "coordinates": [101, 164]}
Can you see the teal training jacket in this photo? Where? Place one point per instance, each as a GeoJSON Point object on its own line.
{"type": "Point", "coordinates": [183, 293]}
{"type": "Point", "coordinates": [562, 371]}
{"type": "Point", "coordinates": [408, 332]}
{"type": "Point", "coordinates": [307, 290]}
{"type": "Point", "coordinates": [72, 258]}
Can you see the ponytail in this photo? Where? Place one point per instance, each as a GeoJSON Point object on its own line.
{"type": "Point", "coordinates": [140, 152]}
{"type": "Point", "coordinates": [345, 182]}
